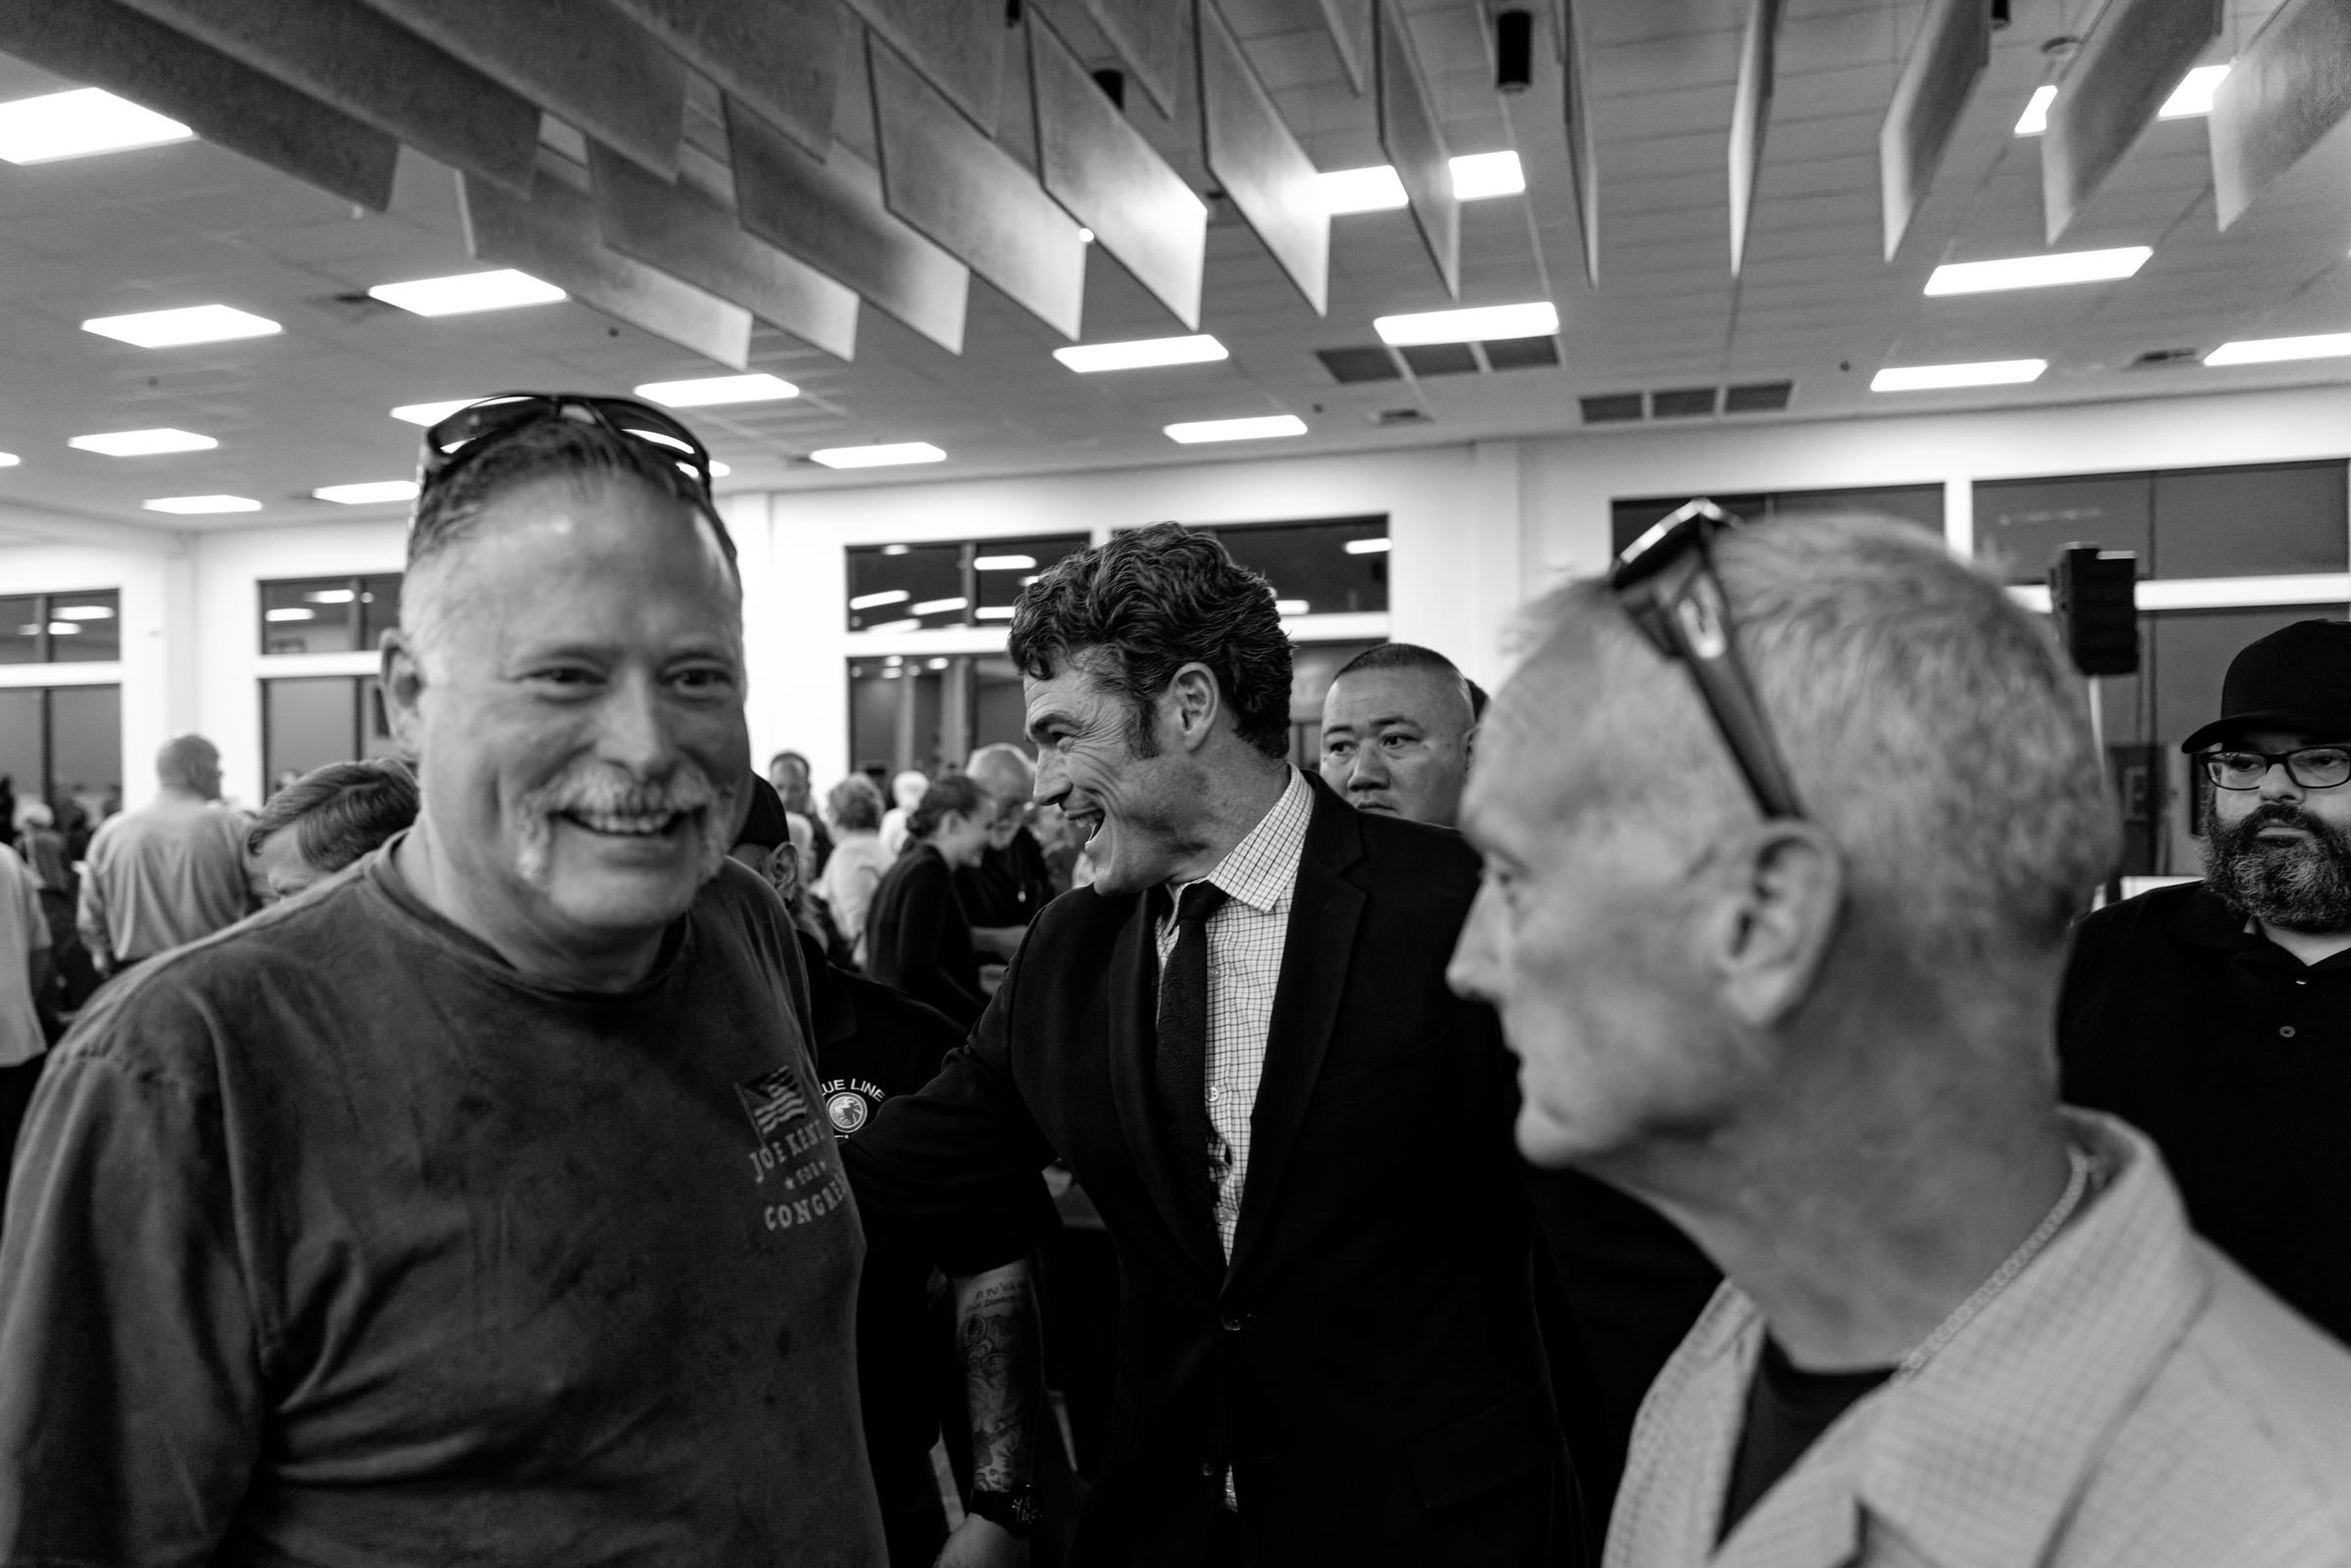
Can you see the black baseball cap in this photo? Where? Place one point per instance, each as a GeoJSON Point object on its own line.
{"type": "Point", "coordinates": [769, 823]}
{"type": "Point", "coordinates": [2295, 678]}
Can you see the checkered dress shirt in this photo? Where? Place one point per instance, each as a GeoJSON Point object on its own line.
{"type": "Point", "coordinates": [2132, 1400]}
{"type": "Point", "coordinates": [1244, 970]}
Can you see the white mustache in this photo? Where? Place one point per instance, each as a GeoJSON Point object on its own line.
{"type": "Point", "coordinates": [598, 791]}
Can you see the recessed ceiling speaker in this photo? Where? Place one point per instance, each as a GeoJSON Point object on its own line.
{"type": "Point", "coordinates": [1513, 50]}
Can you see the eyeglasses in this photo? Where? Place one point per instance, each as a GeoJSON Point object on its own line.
{"type": "Point", "coordinates": [473, 428]}
{"type": "Point", "coordinates": [2311, 767]}
{"type": "Point", "coordinates": [1666, 581]}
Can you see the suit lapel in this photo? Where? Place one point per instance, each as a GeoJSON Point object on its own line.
{"type": "Point", "coordinates": [1133, 996]}
{"type": "Point", "coordinates": [1325, 911]}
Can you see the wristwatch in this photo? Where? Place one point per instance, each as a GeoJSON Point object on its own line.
{"type": "Point", "coordinates": [1016, 1509]}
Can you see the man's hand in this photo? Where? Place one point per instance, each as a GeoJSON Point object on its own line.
{"type": "Point", "coordinates": [982, 1543]}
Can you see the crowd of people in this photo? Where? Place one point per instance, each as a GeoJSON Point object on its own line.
{"type": "Point", "coordinates": [1692, 1064]}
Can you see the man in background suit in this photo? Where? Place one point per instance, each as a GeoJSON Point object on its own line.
{"type": "Point", "coordinates": [1240, 1040]}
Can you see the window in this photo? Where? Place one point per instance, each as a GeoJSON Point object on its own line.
{"type": "Point", "coordinates": [61, 628]}
{"type": "Point", "coordinates": [63, 746]}
{"type": "Point", "coordinates": [1913, 503]}
{"type": "Point", "coordinates": [906, 588]}
{"type": "Point", "coordinates": [309, 721]}
{"type": "Point", "coordinates": [329, 614]}
{"type": "Point", "coordinates": [931, 714]}
{"type": "Point", "coordinates": [1312, 565]}
{"type": "Point", "coordinates": [2270, 520]}
{"type": "Point", "coordinates": [1312, 667]}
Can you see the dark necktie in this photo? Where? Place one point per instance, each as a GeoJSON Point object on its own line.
{"type": "Point", "coordinates": [1180, 1067]}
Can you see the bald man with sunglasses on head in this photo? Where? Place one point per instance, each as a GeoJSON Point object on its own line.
{"type": "Point", "coordinates": [482, 1206]}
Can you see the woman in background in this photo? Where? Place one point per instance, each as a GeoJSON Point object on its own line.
{"type": "Point", "coordinates": [858, 862]}
{"type": "Point", "coordinates": [918, 938]}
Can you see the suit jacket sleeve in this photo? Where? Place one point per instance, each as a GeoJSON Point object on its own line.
{"type": "Point", "coordinates": [954, 1169]}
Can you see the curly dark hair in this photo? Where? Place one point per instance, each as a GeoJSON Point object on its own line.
{"type": "Point", "coordinates": [1150, 601]}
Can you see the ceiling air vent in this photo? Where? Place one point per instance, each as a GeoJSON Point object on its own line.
{"type": "Point", "coordinates": [1682, 403]}
{"type": "Point", "coordinates": [1368, 364]}
{"type": "Point", "coordinates": [1522, 353]}
{"type": "Point", "coordinates": [2166, 358]}
{"type": "Point", "coordinates": [1611, 408]}
{"type": "Point", "coordinates": [1758, 397]}
{"type": "Point", "coordinates": [1440, 359]}
{"type": "Point", "coordinates": [1388, 417]}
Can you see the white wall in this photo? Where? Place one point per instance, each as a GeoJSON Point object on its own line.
{"type": "Point", "coordinates": [1476, 528]}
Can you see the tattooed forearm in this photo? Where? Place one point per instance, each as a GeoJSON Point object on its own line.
{"type": "Point", "coordinates": [996, 1323]}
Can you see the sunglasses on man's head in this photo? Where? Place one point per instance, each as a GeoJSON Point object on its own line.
{"type": "Point", "coordinates": [1666, 581]}
{"type": "Point", "coordinates": [478, 426]}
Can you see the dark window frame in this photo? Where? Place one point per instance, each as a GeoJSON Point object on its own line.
{"type": "Point", "coordinates": [45, 613]}
{"type": "Point", "coordinates": [367, 633]}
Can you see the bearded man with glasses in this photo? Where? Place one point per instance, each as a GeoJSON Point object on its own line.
{"type": "Point", "coordinates": [2217, 1016]}
{"type": "Point", "coordinates": [482, 1206]}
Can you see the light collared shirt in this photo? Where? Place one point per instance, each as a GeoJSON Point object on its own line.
{"type": "Point", "coordinates": [23, 931]}
{"type": "Point", "coordinates": [164, 876]}
{"type": "Point", "coordinates": [2132, 1398]}
{"type": "Point", "coordinates": [1245, 939]}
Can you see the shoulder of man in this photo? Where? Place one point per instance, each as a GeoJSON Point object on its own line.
{"type": "Point", "coordinates": [901, 1040]}
{"type": "Point", "coordinates": [161, 1017]}
{"type": "Point", "coordinates": [741, 900]}
{"type": "Point", "coordinates": [1431, 859]}
{"type": "Point", "coordinates": [2126, 925]}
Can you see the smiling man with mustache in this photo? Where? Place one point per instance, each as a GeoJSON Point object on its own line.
{"type": "Point", "coordinates": [480, 1207]}
{"type": "Point", "coordinates": [2217, 1016]}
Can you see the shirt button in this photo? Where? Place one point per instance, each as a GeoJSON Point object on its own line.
{"type": "Point", "coordinates": [2286, 1033]}
{"type": "Point", "coordinates": [1233, 1321]}
{"type": "Point", "coordinates": [1216, 1091]}
{"type": "Point", "coordinates": [1207, 1467]}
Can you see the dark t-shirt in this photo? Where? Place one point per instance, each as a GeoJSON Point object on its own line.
{"type": "Point", "coordinates": [335, 1241]}
{"type": "Point", "coordinates": [2236, 1058]}
{"type": "Point", "coordinates": [1787, 1408]}
{"type": "Point", "coordinates": [873, 1043]}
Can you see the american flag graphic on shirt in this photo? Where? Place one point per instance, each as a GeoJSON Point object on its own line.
{"type": "Point", "coordinates": [773, 1099]}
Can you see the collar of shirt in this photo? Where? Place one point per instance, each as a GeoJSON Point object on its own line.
{"type": "Point", "coordinates": [2204, 920]}
{"type": "Point", "coordinates": [1263, 868]}
{"type": "Point", "coordinates": [1977, 1459]}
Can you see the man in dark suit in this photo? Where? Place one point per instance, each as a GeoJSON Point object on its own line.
{"type": "Point", "coordinates": [1241, 1041]}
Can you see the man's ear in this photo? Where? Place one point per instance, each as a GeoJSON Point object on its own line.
{"type": "Point", "coordinates": [1778, 893]}
{"type": "Point", "coordinates": [1191, 703]}
{"type": "Point", "coordinates": [401, 679]}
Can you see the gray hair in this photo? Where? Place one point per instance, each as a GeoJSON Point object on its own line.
{"type": "Point", "coordinates": [1933, 726]}
{"type": "Point", "coordinates": [1004, 770]}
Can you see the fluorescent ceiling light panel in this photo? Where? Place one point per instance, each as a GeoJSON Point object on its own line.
{"type": "Point", "coordinates": [713, 390]}
{"type": "Point", "coordinates": [468, 291]}
{"type": "Point", "coordinates": [168, 329]}
{"type": "Point", "coordinates": [1361, 190]}
{"type": "Point", "coordinates": [368, 494]}
{"type": "Point", "coordinates": [2037, 271]}
{"type": "Point", "coordinates": [1366, 546]}
{"type": "Point", "coordinates": [143, 443]}
{"type": "Point", "coordinates": [1140, 355]}
{"type": "Point", "coordinates": [73, 124]}
{"type": "Point", "coordinates": [2035, 117]}
{"type": "Point", "coordinates": [1291, 606]}
{"type": "Point", "coordinates": [1003, 563]}
{"type": "Point", "coordinates": [719, 470]}
{"type": "Point", "coordinates": [431, 413]}
{"type": "Point", "coordinates": [2269, 350]}
{"type": "Point", "coordinates": [1482, 324]}
{"type": "Point", "coordinates": [200, 505]}
{"type": "Point", "coordinates": [994, 612]}
{"type": "Point", "coordinates": [9, 459]}
{"type": "Point", "coordinates": [1983, 373]}
{"type": "Point", "coordinates": [1264, 428]}
{"type": "Point", "coordinates": [293, 613]}
{"type": "Point", "coordinates": [83, 612]}
{"type": "Point", "coordinates": [940, 606]}
{"type": "Point", "coordinates": [874, 601]}
{"type": "Point", "coordinates": [909, 624]}
{"type": "Point", "coordinates": [64, 629]}
{"type": "Point", "coordinates": [887, 455]}
{"type": "Point", "coordinates": [331, 595]}
{"type": "Point", "coordinates": [2193, 96]}
{"type": "Point", "coordinates": [1477, 176]}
